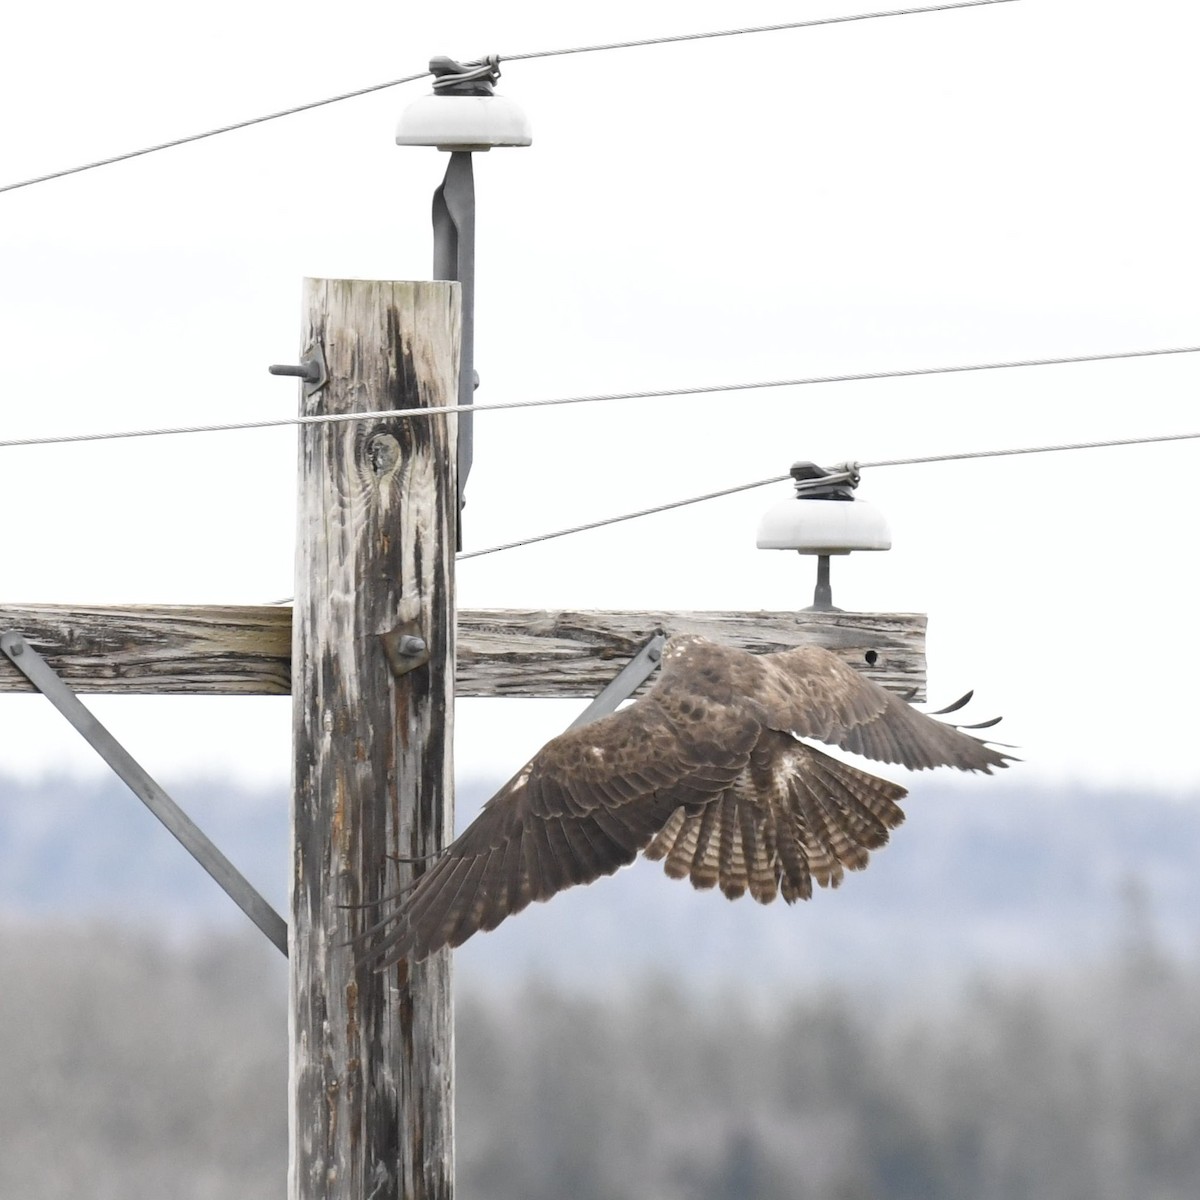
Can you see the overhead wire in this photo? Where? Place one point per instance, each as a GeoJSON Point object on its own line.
{"type": "Point", "coordinates": [629, 516]}
{"type": "Point", "coordinates": [531, 54]}
{"type": "Point", "coordinates": [208, 133]}
{"type": "Point", "coordinates": [718, 33]}
{"type": "Point", "coordinates": [925, 459]}
{"type": "Point", "coordinates": [652, 394]}
{"type": "Point", "coordinates": [1053, 448]}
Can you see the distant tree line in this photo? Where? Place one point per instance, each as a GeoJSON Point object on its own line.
{"type": "Point", "coordinates": [135, 1070]}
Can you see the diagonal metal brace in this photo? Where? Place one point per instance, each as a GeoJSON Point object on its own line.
{"type": "Point", "coordinates": [43, 677]}
{"type": "Point", "coordinates": [631, 677]}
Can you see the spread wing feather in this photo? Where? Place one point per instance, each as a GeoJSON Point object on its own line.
{"type": "Point", "coordinates": [584, 806]}
{"type": "Point", "coordinates": [732, 861]}
{"type": "Point", "coordinates": [706, 773]}
{"type": "Point", "coordinates": [812, 693]}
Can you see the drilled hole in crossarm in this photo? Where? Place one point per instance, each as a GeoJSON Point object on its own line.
{"type": "Point", "coordinates": [872, 657]}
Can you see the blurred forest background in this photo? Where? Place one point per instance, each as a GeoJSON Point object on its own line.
{"type": "Point", "coordinates": [1006, 1005]}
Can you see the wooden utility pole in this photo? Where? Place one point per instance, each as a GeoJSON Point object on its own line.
{"type": "Point", "coordinates": [369, 656]}
{"type": "Point", "coordinates": [371, 1106]}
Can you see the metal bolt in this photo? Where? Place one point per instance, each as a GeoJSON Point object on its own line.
{"type": "Point", "coordinates": [309, 370]}
{"type": "Point", "coordinates": [17, 648]}
{"type": "Point", "coordinates": [410, 645]}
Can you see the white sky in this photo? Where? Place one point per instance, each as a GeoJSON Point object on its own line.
{"type": "Point", "coordinates": [1014, 181]}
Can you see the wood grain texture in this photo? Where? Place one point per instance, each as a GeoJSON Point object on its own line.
{"type": "Point", "coordinates": [223, 650]}
{"type": "Point", "coordinates": [371, 1110]}
{"type": "Point", "coordinates": [501, 652]}
{"type": "Point", "coordinates": [507, 652]}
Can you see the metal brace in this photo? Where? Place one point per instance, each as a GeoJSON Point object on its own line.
{"type": "Point", "coordinates": [628, 680]}
{"type": "Point", "coordinates": [43, 677]}
{"type": "Point", "coordinates": [454, 258]}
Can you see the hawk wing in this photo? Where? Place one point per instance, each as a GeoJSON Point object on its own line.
{"type": "Point", "coordinates": [582, 807]}
{"type": "Point", "coordinates": [706, 772]}
{"type": "Point", "coordinates": [812, 693]}
{"type": "Point", "coordinates": [797, 815]}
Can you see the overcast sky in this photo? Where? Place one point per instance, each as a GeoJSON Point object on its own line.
{"type": "Point", "coordinates": [1001, 183]}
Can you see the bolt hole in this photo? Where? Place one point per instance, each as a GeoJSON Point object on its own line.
{"type": "Point", "coordinates": [872, 657]}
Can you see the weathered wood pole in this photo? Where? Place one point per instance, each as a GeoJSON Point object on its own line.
{"type": "Point", "coordinates": [231, 650]}
{"type": "Point", "coordinates": [371, 1108]}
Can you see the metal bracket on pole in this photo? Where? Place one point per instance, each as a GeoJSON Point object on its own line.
{"type": "Point", "coordinates": [631, 677]}
{"type": "Point", "coordinates": [454, 258]}
{"type": "Point", "coordinates": [405, 648]}
{"type": "Point", "coordinates": [313, 370]}
{"type": "Point", "coordinates": [43, 677]}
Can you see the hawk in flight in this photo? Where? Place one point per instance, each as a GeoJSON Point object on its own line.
{"type": "Point", "coordinates": [707, 773]}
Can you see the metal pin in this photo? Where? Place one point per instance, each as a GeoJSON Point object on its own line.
{"type": "Point", "coordinates": [313, 370]}
{"type": "Point", "coordinates": [309, 370]}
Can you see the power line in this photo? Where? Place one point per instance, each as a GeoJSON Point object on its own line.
{"type": "Point", "coordinates": [696, 37]}
{"type": "Point", "coordinates": [656, 394]}
{"type": "Point", "coordinates": [887, 462]}
{"type": "Point", "coordinates": [379, 87]}
{"type": "Point", "coordinates": [199, 137]}
{"type": "Point", "coordinates": [629, 516]}
{"type": "Point", "coordinates": [1050, 449]}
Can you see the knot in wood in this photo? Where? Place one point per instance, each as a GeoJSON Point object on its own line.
{"type": "Point", "coordinates": [383, 453]}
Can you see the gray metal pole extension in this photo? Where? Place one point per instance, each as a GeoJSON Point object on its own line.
{"type": "Point", "coordinates": [454, 258]}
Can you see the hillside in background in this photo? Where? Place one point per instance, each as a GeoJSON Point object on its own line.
{"type": "Point", "coordinates": [135, 1071]}
{"type": "Point", "coordinates": [1005, 1005]}
{"type": "Point", "coordinates": [983, 876]}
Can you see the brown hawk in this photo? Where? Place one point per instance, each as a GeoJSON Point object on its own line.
{"type": "Point", "coordinates": [707, 773]}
